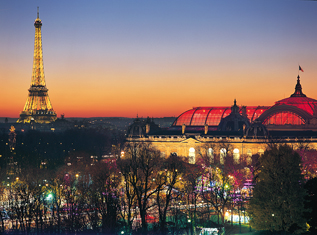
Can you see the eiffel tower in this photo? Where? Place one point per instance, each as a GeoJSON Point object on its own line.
{"type": "Point", "coordinates": [38, 107]}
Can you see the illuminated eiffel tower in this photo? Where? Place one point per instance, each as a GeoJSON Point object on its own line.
{"type": "Point", "coordinates": [38, 107]}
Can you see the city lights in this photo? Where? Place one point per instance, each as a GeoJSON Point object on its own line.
{"type": "Point", "coordinates": [174, 117]}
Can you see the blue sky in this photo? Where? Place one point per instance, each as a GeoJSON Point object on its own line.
{"type": "Point", "coordinates": [104, 57]}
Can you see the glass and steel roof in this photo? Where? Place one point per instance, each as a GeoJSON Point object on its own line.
{"type": "Point", "coordinates": [304, 103]}
{"type": "Point", "coordinates": [199, 116]}
{"type": "Point", "coordinates": [298, 99]}
{"type": "Point", "coordinates": [295, 110]}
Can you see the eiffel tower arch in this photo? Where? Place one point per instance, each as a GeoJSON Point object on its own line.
{"type": "Point", "coordinates": [38, 107]}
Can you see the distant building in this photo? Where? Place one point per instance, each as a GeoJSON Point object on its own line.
{"type": "Point", "coordinates": [246, 129]}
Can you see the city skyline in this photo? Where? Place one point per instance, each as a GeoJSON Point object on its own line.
{"type": "Point", "coordinates": [148, 58]}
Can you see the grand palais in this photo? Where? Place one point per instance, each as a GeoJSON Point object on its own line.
{"type": "Point", "coordinates": [242, 130]}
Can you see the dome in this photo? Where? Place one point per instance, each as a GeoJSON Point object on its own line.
{"type": "Point", "coordinates": [295, 110]}
{"type": "Point", "coordinates": [304, 103]}
{"type": "Point", "coordinates": [234, 121]}
{"type": "Point", "coordinates": [299, 100]}
{"type": "Point", "coordinates": [141, 127]}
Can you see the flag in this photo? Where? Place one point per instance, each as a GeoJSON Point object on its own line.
{"type": "Point", "coordinates": [300, 68]}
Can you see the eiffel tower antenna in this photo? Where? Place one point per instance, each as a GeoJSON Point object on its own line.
{"type": "Point", "coordinates": [38, 12]}
{"type": "Point", "coordinates": [38, 107]}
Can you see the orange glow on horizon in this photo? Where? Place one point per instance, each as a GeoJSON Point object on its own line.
{"type": "Point", "coordinates": [155, 97]}
{"type": "Point", "coordinates": [157, 61]}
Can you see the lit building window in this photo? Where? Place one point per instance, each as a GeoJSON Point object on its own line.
{"type": "Point", "coordinates": [191, 156]}
{"type": "Point", "coordinates": [223, 154]}
{"type": "Point", "coordinates": [261, 152]}
{"type": "Point", "coordinates": [236, 156]}
{"type": "Point", "coordinates": [249, 156]}
{"type": "Point", "coordinates": [210, 154]}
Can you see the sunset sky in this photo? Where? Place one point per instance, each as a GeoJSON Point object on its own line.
{"type": "Point", "coordinates": [157, 58]}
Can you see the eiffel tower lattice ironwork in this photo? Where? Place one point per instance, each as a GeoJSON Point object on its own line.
{"type": "Point", "coordinates": [38, 107]}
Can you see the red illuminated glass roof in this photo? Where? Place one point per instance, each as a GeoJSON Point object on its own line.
{"type": "Point", "coordinates": [304, 103]}
{"type": "Point", "coordinates": [284, 118]}
{"type": "Point", "coordinates": [299, 100]}
{"type": "Point", "coordinates": [199, 116]}
{"type": "Point", "coordinates": [277, 114]}
{"type": "Point", "coordinates": [185, 118]}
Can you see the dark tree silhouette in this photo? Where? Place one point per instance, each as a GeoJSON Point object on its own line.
{"type": "Point", "coordinates": [139, 169]}
{"type": "Point", "coordinates": [168, 185]}
{"type": "Point", "coordinates": [278, 196]}
{"type": "Point", "coordinates": [311, 205]}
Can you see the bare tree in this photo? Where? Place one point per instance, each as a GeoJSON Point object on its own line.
{"type": "Point", "coordinates": [168, 184]}
{"type": "Point", "coordinates": [141, 165]}
{"type": "Point", "coordinates": [104, 195]}
{"type": "Point", "coordinates": [127, 194]}
{"type": "Point", "coordinates": [190, 193]}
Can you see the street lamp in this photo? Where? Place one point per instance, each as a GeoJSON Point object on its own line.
{"type": "Point", "coordinates": [189, 225]}
{"type": "Point", "coordinates": [49, 196]}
